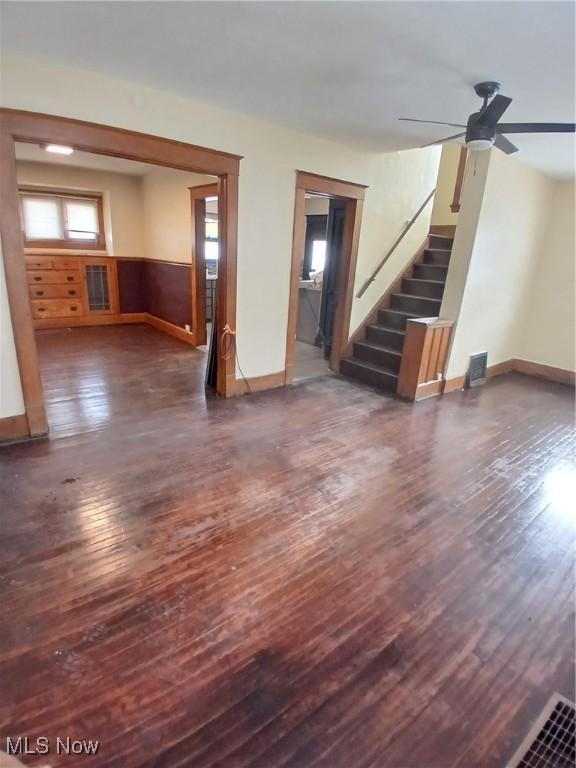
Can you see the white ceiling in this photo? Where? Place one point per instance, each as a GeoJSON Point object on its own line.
{"type": "Point", "coordinates": [34, 153]}
{"type": "Point", "coordinates": [347, 70]}
{"type": "Point", "coordinates": [80, 159]}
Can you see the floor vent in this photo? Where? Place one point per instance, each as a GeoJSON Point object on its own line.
{"type": "Point", "coordinates": [477, 369]}
{"type": "Point", "coordinates": [550, 743]}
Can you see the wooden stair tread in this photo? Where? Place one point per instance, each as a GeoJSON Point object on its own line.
{"type": "Point", "coordinates": [378, 347]}
{"type": "Point", "coordinates": [415, 296]}
{"type": "Point", "coordinates": [432, 266]}
{"type": "Point", "coordinates": [410, 315]}
{"type": "Point", "coordinates": [441, 237]}
{"type": "Point", "coordinates": [370, 366]}
{"type": "Point", "coordinates": [425, 280]}
{"type": "Point", "coordinates": [385, 328]}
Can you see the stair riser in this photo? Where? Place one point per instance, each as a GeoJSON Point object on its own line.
{"type": "Point", "coordinates": [437, 257]}
{"type": "Point", "coordinates": [372, 378]}
{"type": "Point", "coordinates": [426, 307]}
{"type": "Point", "coordinates": [428, 289]}
{"type": "Point", "coordinates": [428, 272]}
{"type": "Point", "coordinates": [435, 241]}
{"type": "Point", "coordinates": [391, 320]}
{"type": "Point", "coordinates": [384, 337]}
{"type": "Point", "coordinates": [378, 357]}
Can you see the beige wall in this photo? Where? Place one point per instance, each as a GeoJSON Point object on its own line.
{"type": "Point", "coordinates": [441, 213]}
{"type": "Point", "coordinates": [167, 213]}
{"type": "Point", "coordinates": [123, 212]}
{"type": "Point", "coordinates": [546, 333]}
{"type": "Point", "coordinates": [398, 183]}
{"type": "Point", "coordinates": [510, 224]}
{"type": "Point", "coordinates": [11, 402]}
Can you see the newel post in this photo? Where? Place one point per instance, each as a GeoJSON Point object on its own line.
{"type": "Point", "coordinates": [424, 357]}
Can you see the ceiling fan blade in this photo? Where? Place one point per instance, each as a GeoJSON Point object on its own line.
{"type": "Point", "coordinates": [494, 110]}
{"type": "Point", "coordinates": [441, 141]}
{"type": "Point", "coordinates": [506, 146]}
{"type": "Point", "coordinates": [433, 122]}
{"type": "Point", "coordinates": [535, 128]}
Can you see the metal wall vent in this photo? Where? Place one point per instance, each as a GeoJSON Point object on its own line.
{"type": "Point", "coordinates": [477, 369]}
{"type": "Point", "coordinates": [551, 741]}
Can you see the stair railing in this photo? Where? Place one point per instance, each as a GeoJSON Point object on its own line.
{"type": "Point", "coordinates": [389, 253]}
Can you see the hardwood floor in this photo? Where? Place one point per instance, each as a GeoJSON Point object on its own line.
{"type": "Point", "coordinates": [314, 576]}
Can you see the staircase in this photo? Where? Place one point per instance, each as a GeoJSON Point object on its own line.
{"type": "Point", "coordinates": [376, 360]}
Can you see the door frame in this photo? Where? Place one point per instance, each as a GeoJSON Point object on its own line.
{"type": "Point", "coordinates": [198, 197]}
{"type": "Point", "coordinates": [353, 194]}
{"type": "Point", "coordinates": [37, 128]}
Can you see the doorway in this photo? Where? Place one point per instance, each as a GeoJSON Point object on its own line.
{"type": "Point", "coordinates": [327, 220]}
{"type": "Point", "coordinates": [317, 288]}
{"type": "Point", "coordinates": [45, 130]}
{"type": "Point", "coordinates": [110, 275]}
{"type": "Point", "coordinates": [205, 258]}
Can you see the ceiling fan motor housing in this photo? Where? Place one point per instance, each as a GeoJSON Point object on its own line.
{"type": "Point", "coordinates": [477, 132]}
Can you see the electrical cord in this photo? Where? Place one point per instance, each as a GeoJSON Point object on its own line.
{"type": "Point", "coordinates": [228, 348]}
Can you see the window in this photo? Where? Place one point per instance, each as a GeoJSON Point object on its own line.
{"type": "Point", "coordinates": [61, 220]}
{"type": "Point", "coordinates": [318, 255]}
{"type": "Point", "coordinates": [211, 247]}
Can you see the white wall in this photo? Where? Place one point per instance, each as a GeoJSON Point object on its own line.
{"type": "Point", "coordinates": [167, 218]}
{"type": "Point", "coordinates": [122, 194]}
{"type": "Point", "coordinates": [547, 328]}
{"type": "Point", "coordinates": [511, 219]}
{"type": "Point", "coordinates": [441, 212]}
{"type": "Point", "coordinates": [398, 183]}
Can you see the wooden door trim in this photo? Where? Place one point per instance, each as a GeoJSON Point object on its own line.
{"type": "Point", "coordinates": [353, 194]}
{"type": "Point", "coordinates": [36, 128]}
{"type": "Point", "coordinates": [198, 197]}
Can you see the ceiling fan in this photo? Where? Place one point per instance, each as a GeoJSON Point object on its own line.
{"type": "Point", "coordinates": [483, 129]}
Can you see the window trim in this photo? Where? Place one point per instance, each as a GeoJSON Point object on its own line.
{"type": "Point", "coordinates": [77, 244]}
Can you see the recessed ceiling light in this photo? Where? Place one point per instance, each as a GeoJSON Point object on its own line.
{"type": "Point", "coordinates": [59, 149]}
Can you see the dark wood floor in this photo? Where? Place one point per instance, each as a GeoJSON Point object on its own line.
{"type": "Point", "coordinates": [317, 576]}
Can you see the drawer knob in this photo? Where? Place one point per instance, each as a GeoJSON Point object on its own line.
{"type": "Point", "coordinates": [41, 309]}
{"type": "Point", "coordinates": [39, 293]}
{"type": "Point", "coordinates": [72, 293]}
{"type": "Point", "coordinates": [70, 278]}
{"type": "Point", "coordinates": [73, 308]}
{"type": "Point", "coordinates": [37, 279]}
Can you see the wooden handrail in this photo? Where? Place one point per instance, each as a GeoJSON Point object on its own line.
{"type": "Point", "coordinates": [455, 205]}
{"type": "Point", "coordinates": [408, 226]}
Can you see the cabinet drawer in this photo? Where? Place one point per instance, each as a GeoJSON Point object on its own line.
{"type": "Point", "coordinates": [56, 308]}
{"type": "Point", "coordinates": [74, 290]}
{"type": "Point", "coordinates": [53, 276]}
{"type": "Point", "coordinates": [39, 262]}
{"type": "Point", "coordinates": [62, 262]}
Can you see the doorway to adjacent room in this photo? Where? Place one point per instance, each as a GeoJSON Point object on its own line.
{"type": "Point", "coordinates": [325, 246]}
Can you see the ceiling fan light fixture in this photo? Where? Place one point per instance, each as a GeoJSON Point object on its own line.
{"type": "Point", "coordinates": [480, 145]}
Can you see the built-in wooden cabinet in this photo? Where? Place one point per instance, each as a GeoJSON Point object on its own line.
{"type": "Point", "coordinates": [71, 290]}
{"type": "Point", "coordinates": [100, 291]}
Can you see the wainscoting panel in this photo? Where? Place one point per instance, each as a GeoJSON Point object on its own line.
{"type": "Point", "coordinates": [160, 288]}
{"type": "Point", "coordinates": [131, 285]}
{"type": "Point", "coordinates": [168, 288]}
